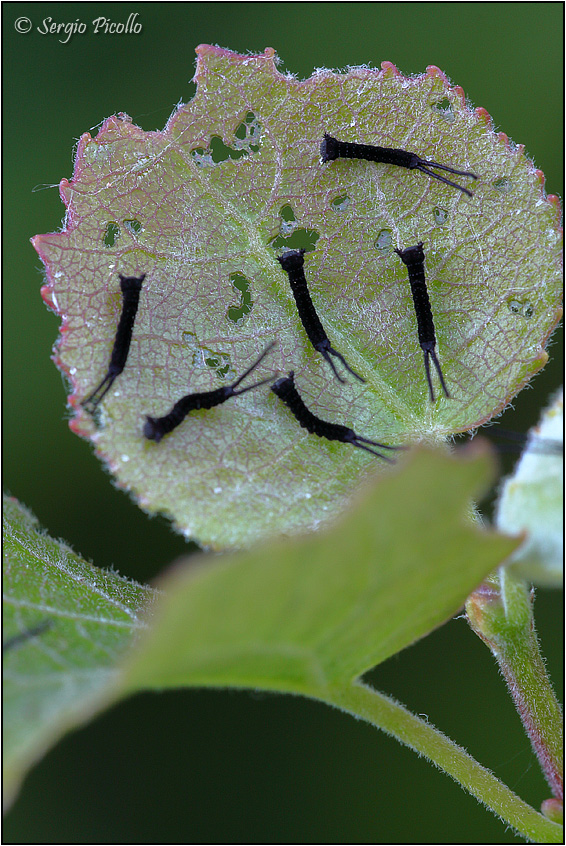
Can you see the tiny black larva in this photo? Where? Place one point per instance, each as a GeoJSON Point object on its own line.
{"type": "Point", "coordinates": [413, 258]}
{"type": "Point", "coordinates": [130, 287]}
{"type": "Point", "coordinates": [156, 427]}
{"type": "Point", "coordinates": [331, 149]}
{"type": "Point", "coordinates": [27, 634]}
{"type": "Point", "coordinates": [292, 263]}
{"type": "Point", "coordinates": [285, 389]}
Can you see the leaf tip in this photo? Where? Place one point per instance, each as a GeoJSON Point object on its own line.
{"type": "Point", "coordinates": [37, 244]}
{"type": "Point", "coordinates": [459, 91]}
{"type": "Point", "coordinates": [504, 140]}
{"type": "Point", "coordinates": [48, 297]}
{"type": "Point", "coordinates": [557, 208]}
{"type": "Point", "coordinates": [389, 69]}
{"type": "Point", "coordinates": [542, 359]}
{"type": "Point", "coordinates": [436, 73]}
{"type": "Point", "coordinates": [84, 141]}
{"type": "Point", "coordinates": [483, 115]}
{"type": "Point", "coordinates": [540, 177]}
{"type": "Point", "coordinates": [203, 50]}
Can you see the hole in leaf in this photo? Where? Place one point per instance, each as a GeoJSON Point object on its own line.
{"type": "Point", "coordinates": [237, 313]}
{"type": "Point", "coordinates": [288, 214]}
{"type": "Point", "coordinates": [133, 226]}
{"type": "Point", "coordinates": [503, 184]}
{"type": "Point", "coordinates": [340, 204]}
{"type": "Point", "coordinates": [245, 135]}
{"type": "Point", "coordinates": [190, 339]}
{"type": "Point", "coordinates": [383, 242]}
{"type": "Point", "coordinates": [525, 309]}
{"type": "Point", "coordinates": [202, 157]}
{"type": "Point", "coordinates": [290, 237]}
{"type": "Point", "coordinates": [241, 132]}
{"type": "Point", "coordinates": [220, 362]}
{"type": "Point", "coordinates": [248, 133]}
{"type": "Point", "coordinates": [111, 234]}
{"type": "Point", "coordinates": [300, 239]}
{"type": "Point", "coordinates": [444, 109]}
{"type": "Point", "coordinates": [440, 216]}
{"type": "Point", "coordinates": [221, 152]}
{"type": "Point", "coordinates": [203, 357]}
{"type": "Point", "coordinates": [288, 221]}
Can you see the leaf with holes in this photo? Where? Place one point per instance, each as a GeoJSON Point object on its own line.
{"type": "Point", "coordinates": [65, 625]}
{"type": "Point", "coordinates": [204, 208]}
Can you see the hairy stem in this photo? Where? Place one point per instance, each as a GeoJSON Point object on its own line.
{"type": "Point", "coordinates": [385, 713]}
{"type": "Point", "coordinates": [500, 612]}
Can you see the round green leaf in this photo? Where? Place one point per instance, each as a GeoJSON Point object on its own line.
{"type": "Point", "coordinates": [204, 208]}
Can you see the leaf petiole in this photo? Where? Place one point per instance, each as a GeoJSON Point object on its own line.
{"type": "Point", "coordinates": [385, 713]}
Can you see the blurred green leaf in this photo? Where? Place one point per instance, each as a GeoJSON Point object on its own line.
{"type": "Point", "coordinates": [235, 177]}
{"type": "Point", "coordinates": [306, 614]}
{"type": "Point", "coordinates": [532, 501]}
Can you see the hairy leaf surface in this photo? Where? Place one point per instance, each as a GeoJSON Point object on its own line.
{"type": "Point", "coordinates": [65, 625]}
{"type": "Point", "coordinates": [203, 209]}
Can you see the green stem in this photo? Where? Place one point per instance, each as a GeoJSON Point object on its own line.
{"type": "Point", "coordinates": [500, 612]}
{"type": "Point", "coordinates": [385, 713]}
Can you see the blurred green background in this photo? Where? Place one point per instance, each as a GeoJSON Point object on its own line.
{"type": "Point", "coordinates": [210, 766]}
